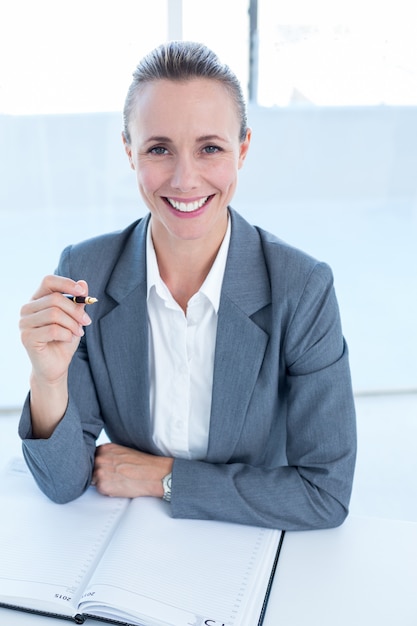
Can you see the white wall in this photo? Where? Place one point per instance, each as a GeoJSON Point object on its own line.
{"type": "Point", "coordinates": [340, 183]}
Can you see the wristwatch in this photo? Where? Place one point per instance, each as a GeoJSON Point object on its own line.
{"type": "Point", "coordinates": [166, 484]}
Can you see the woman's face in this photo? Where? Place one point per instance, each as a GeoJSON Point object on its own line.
{"type": "Point", "coordinates": [186, 152]}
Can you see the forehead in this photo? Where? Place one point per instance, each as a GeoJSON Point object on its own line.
{"type": "Point", "coordinates": [197, 102]}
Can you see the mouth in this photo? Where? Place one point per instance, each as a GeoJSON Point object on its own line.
{"type": "Point", "coordinates": [188, 207]}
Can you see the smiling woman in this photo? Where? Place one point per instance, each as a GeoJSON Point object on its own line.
{"type": "Point", "coordinates": [214, 356]}
{"type": "Point", "coordinates": [186, 180]}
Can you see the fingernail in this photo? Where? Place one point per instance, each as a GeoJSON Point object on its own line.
{"type": "Point", "coordinates": [78, 289]}
{"type": "Point", "coordinates": [86, 319]}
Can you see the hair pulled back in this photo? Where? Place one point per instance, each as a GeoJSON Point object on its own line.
{"type": "Point", "coordinates": [182, 61]}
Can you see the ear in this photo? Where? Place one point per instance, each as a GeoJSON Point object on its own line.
{"type": "Point", "coordinates": [244, 147]}
{"type": "Point", "coordinates": [128, 150]}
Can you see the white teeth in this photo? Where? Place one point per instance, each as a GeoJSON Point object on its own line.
{"type": "Point", "coordinates": [187, 207]}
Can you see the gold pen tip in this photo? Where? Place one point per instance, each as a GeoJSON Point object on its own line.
{"type": "Point", "coordinates": [90, 300]}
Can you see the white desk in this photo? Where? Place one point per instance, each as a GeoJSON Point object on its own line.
{"type": "Point", "coordinates": [361, 574]}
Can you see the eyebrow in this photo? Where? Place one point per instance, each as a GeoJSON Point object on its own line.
{"type": "Point", "coordinates": [157, 139]}
{"type": "Point", "coordinates": [163, 139]}
{"type": "Point", "coordinates": [211, 138]}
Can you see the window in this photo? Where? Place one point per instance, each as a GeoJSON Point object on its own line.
{"type": "Point", "coordinates": [70, 56]}
{"type": "Point", "coordinates": [78, 55]}
{"type": "Point", "coordinates": [356, 52]}
{"type": "Point", "coordinates": [75, 55]}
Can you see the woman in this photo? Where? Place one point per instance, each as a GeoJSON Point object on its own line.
{"type": "Point", "coordinates": [214, 358]}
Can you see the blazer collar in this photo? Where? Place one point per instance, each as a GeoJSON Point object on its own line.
{"type": "Point", "coordinates": [124, 331]}
{"type": "Point", "coordinates": [246, 280]}
{"type": "Point", "coordinates": [130, 270]}
{"type": "Point", "coordinates": [240, 343]}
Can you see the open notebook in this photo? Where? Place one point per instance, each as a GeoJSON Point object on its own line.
{"type": "Point", "coordinates": [128, 561]}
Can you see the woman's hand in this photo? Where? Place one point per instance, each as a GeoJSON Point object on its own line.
{"type": "Point", "coordinates": [124, 472]}
{"type": "Point", "coordinates": [51, 327]}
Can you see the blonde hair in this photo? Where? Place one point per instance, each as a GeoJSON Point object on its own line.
{"type": "Point", "coordinates": [182, 61]}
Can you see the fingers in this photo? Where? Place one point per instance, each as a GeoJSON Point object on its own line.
{"type": "Point", "coordinates": [109, 454]}
{"type": "Point", "coordinates": [52, 309]}
{"type": "Point", "coordinates": [52, 320]}
{"type": "Point", "coordinates": [108, 476]}
{"type": "Point", "coordinates": [60, 284]}
{"type": "Point", "coordinates": [51, 326]}
{"type": "Point", "coordinates": [49, 316]}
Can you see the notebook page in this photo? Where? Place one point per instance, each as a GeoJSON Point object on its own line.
{"type": "Point", "coordinates": [181, 572]}
{"type": "Point", "coordinates": [48, 549]}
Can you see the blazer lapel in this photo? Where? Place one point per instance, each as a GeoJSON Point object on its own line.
{"type": "Point", "coordinates": [240, 343]}
{"type": "Point", "coordinates": [125, 337]}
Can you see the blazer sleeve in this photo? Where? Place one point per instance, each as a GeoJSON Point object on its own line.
{"type": "Point", "coordinates": [312, 490]}
{"type": "Point", "coordinates": [62, 465]}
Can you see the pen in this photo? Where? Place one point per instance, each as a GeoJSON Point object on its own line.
{"type": "Point", "coordinates": [81, 299]}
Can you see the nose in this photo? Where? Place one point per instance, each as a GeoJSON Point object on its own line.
{"type": "Point", "coordinates": [185, 173]}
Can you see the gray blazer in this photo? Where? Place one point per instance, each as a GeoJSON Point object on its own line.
{"type": "Point", "coordinates": [282, 438]}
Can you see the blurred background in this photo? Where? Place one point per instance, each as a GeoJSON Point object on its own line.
{"type": "Point", "coordinates": [332, 101]}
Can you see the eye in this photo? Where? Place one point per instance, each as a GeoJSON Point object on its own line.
{"type": "Point", "coordinates": [158, 150]}
{"type": "Point", "coordinates": [211, 149]}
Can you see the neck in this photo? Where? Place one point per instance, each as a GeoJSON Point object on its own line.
{"type": "Point", "coordinates": [185, 264]}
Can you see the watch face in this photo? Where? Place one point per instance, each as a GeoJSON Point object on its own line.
{"type": "Point", "coordinates": [166, 483]}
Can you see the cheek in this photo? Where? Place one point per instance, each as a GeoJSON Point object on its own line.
{"type": "Point", "coordinates": [148, 177]}
{"type": "Point", "coordinates": [224, 175]}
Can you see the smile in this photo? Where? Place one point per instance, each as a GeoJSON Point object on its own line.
{"type": "Point", "coordinates": [188, 207]}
